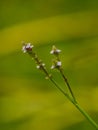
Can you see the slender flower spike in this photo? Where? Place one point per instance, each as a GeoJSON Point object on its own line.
{"type": "Point", "coordinates": [55, 50]}
{"type": "Point", "coordinates": [27, 47]}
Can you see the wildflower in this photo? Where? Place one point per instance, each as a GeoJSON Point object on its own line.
{"type": "Point", "coordinates": [55, 50]}
{"type": "Point", "coordinates": [27, 47]}
{"type": "Point", "coordinates": [59, 63]}
{"type": "Point", "coordinates": [53, 66]}
{"type": "Point", "coordinates": [39, 66]}
{"type": "Point", "coordinates": [56, 64]}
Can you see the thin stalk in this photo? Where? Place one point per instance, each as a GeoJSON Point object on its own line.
{"type": "Point", "coordinates": [65, 79]}
{"type": "Point", "coordinates": [86, 115]}
{"type": "Point", "coordinates": [94, 124]}
{"type": "Point", "coordinates": [67, 83]}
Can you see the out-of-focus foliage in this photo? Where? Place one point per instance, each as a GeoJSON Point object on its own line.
{"type": "Point", "coordinates": [27, 100]}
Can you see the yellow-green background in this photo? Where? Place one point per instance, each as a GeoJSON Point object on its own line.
{"type": "Point", "coordinates": [27, 100]}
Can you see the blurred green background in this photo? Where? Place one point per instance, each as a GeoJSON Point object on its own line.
{"type": "Point", "coordinates": [27, 100]}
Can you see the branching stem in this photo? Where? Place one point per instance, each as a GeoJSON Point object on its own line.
{"type": "Point", "coordinates": [28, 48]}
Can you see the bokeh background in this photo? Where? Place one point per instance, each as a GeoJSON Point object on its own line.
{"type": "Point", "coordinates": [27, 100]}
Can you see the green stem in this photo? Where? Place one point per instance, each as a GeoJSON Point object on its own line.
{"type": "Point", "coordinates": [67, 83]}
{"type": "Point", "coordinates": [86, 115]}
{"type": "Point", "coordinates": [65, 79]}
{"type": "Point", "coordinates": [75, 104]}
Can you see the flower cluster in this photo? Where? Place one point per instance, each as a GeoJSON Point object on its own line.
{"type": "Point", "coordinates": [56, 62]}
{"type": "Point", "coordinates": [27, 47]}
{"type": "Point", "coordinates": [55, 50]}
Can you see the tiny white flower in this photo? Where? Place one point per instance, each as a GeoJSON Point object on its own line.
{"type": "Point", "coordinates": [38, 66]}
{"type": "Point", "coordinates": [43, 64]}
{"type": "Point", "coordinates": [27, 47]}
{"type": "Point", "coordinates": [52, 51]}
{"type": "Point", "coordinates": [58, 51]}
{"type": "Point", "coordinates": [55, 50]}
{"type": "Point", "coordinates": [24, 49]}
{"type": "Point", "coordinates": [52, 67]}
{"type": "Point", "coordinates": [59, 63]}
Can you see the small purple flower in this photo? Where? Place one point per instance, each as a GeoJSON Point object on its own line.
{"type": "Point", "coordinates": [27, 47]}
